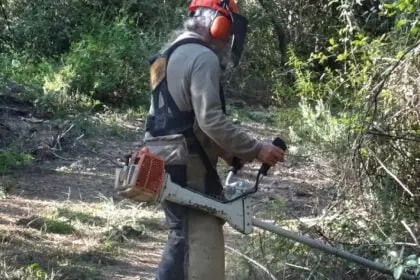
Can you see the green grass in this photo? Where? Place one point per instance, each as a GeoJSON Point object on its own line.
{"type": "Point", "coordinates": [76, 216]}
{"type": "Point", "coordinates": [59, 227]}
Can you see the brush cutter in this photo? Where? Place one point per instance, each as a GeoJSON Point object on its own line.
{"type": "Point", "coordinates": [143, 178]}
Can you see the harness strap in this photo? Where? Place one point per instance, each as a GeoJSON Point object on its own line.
{"type": "Point", "coordinates": [183, 121]}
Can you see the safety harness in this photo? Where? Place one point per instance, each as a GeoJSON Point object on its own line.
{"type": "Point", "coordinates": [169, 119]}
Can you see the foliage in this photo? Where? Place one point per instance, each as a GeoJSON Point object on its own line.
{"type": "Point", "coordinates": [358, 103]}
{"type": "Point", "coordinates": [109, 66]}
{"type": "Point", "coordinates": [9, 158]}
{"type": "Point", "coordinates": [83, 48]}
{"type": "Point", "coordinates": [24, 69]}
{"type": "Point", "coordinates": [361, 105]}
{"type": "Point", "coordinates": [47, 28]}
{"type": "Point", "coordinates": [319, 129]}
{"type": "Point", "coordinates": [409, 264]}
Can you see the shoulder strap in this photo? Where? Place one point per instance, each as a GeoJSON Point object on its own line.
{"type": "Point", "coordinates": [168, 53]}
{"type": "Point", "coordinates": [181, 122]}
{"type": "Point", "coordinates": [175, 45]}
{"type": "Point", "coordinates": [189, 133]}
{"type": "Point", "coordinates": [172, 48]}
{"type": "Point", "coordinates": [222, 98]}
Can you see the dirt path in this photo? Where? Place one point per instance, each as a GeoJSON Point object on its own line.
{"type": "Point", "coordinates": [60, 213]}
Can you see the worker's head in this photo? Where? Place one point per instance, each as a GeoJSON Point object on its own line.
{"type": "Point", "coordinates": [219, 23]}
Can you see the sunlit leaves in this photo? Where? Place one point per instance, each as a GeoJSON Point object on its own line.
{"type": "Point", "coordinates": [401, 23]}
{"type": "Point", "coordinates": [342, 56]}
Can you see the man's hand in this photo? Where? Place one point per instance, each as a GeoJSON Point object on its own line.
{"type": "Point", "coordinates": [270, 154]}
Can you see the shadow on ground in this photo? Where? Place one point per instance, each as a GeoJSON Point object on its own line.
{"type": "Point", "coordinates": [43, 183]}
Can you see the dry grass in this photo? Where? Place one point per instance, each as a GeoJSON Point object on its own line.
{"type": "Point", "coordinates": [85, 237]}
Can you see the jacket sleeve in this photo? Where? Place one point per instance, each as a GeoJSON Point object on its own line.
{"type": "Point", "coordinates": [205, 98]}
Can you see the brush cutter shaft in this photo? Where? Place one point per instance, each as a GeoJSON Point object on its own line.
{"type": "Point", "coordinates": [326, 248]}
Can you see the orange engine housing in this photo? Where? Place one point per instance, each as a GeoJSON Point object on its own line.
{"type": "Point", "coordinates": [146, 172]}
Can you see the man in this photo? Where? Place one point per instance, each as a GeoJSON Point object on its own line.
{"type": "Point", "coordinates": [187, 126]}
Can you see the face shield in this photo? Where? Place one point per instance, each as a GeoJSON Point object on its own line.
{"type": "Point", "coordinates": [238, 28]}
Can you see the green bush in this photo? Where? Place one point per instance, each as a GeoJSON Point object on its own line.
{"type": "Point", "coordinates": [318, 128]}
{"type": "Point", "coordinates": [47, 28]}
{"type": "Point", "coordinates": [110, 66]}
{"type": "Point", "coordinates": [357, 105]}
{"type": "Point", "coordinates": [9, 158]}
{"type": "Point", "coordinates": [92, 48]}
{"type": "Point", "coordinates": [24, 69]}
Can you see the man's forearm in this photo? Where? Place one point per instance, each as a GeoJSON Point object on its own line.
{"type": "Point", "coordinates": [227, 136]}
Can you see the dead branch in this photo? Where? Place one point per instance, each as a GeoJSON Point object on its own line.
{"type": "Point", "coordinates": [392, 136]}
{"type": "Point", "coordinates": [252, 261]}
{"type": "Point", "coordinates": [410, 232]}
{"type": "Point", "coordinates": [391, 174]}
{"type": "Point", "coordinates": [298, 266]}
{"type": "Point", "coordinates": [60, 157]}
{"type": "Point", "coordinates": [107, 157]}
{"type": "Point", "coordinates": [377, 89]}
{"type": "Point", "coordinates": [60, 136]}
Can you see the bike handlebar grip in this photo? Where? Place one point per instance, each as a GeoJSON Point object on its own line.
{"type": "Point", "coordinates": [279, 143]}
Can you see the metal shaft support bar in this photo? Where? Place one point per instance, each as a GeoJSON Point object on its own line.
{"type": "Point", "coordinates": [327, 248]}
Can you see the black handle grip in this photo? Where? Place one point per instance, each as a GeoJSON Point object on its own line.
{"type": "Point", "coordinates": [127, 159]}
{"type": "Point", "coordinates": [279, 143]}
{"type": "Point", "coordinates": [235, 165]}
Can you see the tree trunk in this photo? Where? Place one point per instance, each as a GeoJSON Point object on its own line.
{"type": "Point", "coordinates": [268, 7]}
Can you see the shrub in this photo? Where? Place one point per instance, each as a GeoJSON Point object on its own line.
{"type": "Point", "coordinates": [9, 158]}
{"type": "Point", "coordinates": [110, 66]}
{"type": "Point", "coordinates": [24, 69]}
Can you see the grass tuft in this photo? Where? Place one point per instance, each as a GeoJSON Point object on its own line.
{"type": "Point", "coordinates": [76, 216]}
{"type": "Point", "coordinates": [47, 225]}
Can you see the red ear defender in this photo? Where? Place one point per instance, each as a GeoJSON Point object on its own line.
{"type": "Point", "coordinates": [220, 28]}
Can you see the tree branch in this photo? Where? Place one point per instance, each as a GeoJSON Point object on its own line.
{"type": "Point", "coordinates": [391, 174]}
{"type": "Point", "coordinates": [392, 136]}
{"type": "Point", "coordinates": [410, 232]}
{"type": "Point", "coordinates": [252, 261]}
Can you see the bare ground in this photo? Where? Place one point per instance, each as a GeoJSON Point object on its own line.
{"type": "Point", "coordinates": [97, 236]}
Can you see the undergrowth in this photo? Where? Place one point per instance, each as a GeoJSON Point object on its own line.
{"type": "Point", "coordinates": [360, 112]}
{"type": "Point", "coordinates": [11, 157]}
